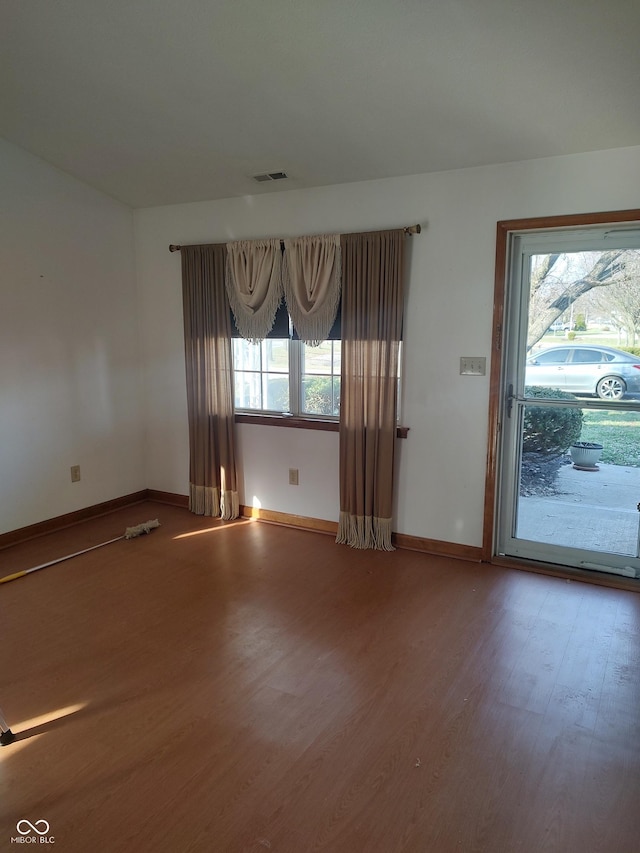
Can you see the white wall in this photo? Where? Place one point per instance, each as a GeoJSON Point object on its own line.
{"type": "Point", "coordinates": [69, 356]}
{"type": "Point", "coordinates": [74, 334]}
{"type": "Point", "coordinates": [441, 467]}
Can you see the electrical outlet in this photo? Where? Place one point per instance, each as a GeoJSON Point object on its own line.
{"type": "Point", "coordinates": [473, 365]}
{"type": "Point", "coordinates": [293, 477]}
{"type": "Point", "coordinates": [75, 473]}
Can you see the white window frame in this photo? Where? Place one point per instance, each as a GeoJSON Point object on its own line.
{"type": "Point", "coordinates": [296, 350]}
{"type": "Point", "coordinates": [295, 377]}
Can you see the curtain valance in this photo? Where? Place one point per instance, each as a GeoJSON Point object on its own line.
{"type": "Point", "coordinates": [309, 269]}
{"type": "Point", "coordinates": [312, 278]}
{"type": "Point", "coordinates": [306, 270]}
{"type": "Point", "coordinates": [254, 285]}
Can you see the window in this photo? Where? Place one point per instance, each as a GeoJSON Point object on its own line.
{"type": "Point", "coordinates": [261, 375]}
{"type": "Point", "coordinates": [558, 356]}
{"type": "Point", "coordinates": [283, 375]}
{"type": "Point", "coordinates": [320, 379]}
{"type": "Point", "coordinates": [591, 356]}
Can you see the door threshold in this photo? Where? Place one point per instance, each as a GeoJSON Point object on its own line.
{"type": "Point", "coordinates": [568, 573]}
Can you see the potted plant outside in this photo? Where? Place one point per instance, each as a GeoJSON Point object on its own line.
{"type": "Point", "coordinates": [585, 455]}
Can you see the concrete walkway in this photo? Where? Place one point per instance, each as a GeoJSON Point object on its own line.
{"type": "Point", "coordinates": [596, 510]}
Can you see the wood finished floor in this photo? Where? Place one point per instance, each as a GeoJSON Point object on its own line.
{"type": "Point", "coordinates": [245, 687]}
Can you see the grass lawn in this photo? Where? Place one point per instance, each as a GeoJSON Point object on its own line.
{"type": "Point", "coordinates": [617, 432]}
{"type": "Point", "coordinates": [595, 337]}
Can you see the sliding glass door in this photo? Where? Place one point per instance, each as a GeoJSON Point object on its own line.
{"type": "Point", "coordinates": [569, 459]}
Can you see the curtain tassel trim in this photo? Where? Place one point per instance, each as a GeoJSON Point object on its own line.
{"type": "Point", "coordinates": [366, 531]}
{"type": "Point", "coordinates": [230, 506]}
{"type": "Point", "coordinates": [205, 500]}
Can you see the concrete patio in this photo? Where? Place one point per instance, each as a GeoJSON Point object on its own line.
{"type": "Point", "coordinates": [596, 510]}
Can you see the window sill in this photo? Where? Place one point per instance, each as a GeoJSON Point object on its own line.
{"type": "Point", "coordinates": [299, 423]}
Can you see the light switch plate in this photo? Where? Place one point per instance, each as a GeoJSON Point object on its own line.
{"type": "Point", "coordinates": [473, 365]}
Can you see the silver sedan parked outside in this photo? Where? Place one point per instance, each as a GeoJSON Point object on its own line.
{"type": "Point", "coordinates": [603, 371]}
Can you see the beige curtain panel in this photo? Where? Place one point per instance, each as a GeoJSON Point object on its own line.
{"type": "Point", "coordinates": [372, 310]}
{"type": "Point", "coordinates": [254, 285]}
{"type": "Point", "coordinates": [311, 277]}
{"type": "Point", "coordinates": [209, 367]}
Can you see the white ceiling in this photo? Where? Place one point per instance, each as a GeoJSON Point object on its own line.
{"type": "Point", "coordinates": [164, 101]}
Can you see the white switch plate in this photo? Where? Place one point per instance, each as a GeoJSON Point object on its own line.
{"type": "Point", "coordinates": [473, 365]}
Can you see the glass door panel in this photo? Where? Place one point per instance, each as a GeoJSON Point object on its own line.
{"type": "Point", "coordinates": [570, 445]}
{"type": "Point", "coordinates": [589, 504]}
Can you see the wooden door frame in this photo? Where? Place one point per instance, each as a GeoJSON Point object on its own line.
{"type": "Point", "coordinates": [504, 229]}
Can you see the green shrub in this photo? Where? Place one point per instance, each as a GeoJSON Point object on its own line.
{"type": "Point", "coordinates": [580, 324]}
{"type": "Point", "coordinates": [571, 336]}
{"type": "Point", "coordinates": [547, 430]}
{"type": "Point", "coordinates": [632, 350]}
{"type": "Point", "coordinates": [318, 397]}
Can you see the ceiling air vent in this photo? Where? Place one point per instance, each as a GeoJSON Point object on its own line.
{"type": "Point", "coordinates": [270, 176]}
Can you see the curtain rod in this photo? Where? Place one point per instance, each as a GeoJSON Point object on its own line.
{"type": "Point", "coordinates": [410, 229]}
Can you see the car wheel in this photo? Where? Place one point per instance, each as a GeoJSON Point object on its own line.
{"type": "Point", "coordinates": [611, 388]}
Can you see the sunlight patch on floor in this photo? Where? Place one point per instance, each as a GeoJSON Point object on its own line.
{"type": "Point", "coordinates": [22, 728]}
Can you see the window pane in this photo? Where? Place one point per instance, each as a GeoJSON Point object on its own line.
{"type": "Point", "coordinates": [276, 392]}
{"type": "Point", "coordinates": [276, 357]}
{"type": "Point", "coordinates": [248, 391]}
{"type": "Point", "coordinates": [587, 356]}
{"type": "Point", "coordinates": [336, 395]}
{"type": "Point", "coordinates": [261, 373]}
{"type": "Point", "coordinates": [558, 356]}
{"type": "Point", "coordinates": [317, 359]}
{"type": "Point", "coordinates": [246, 356]}
{"type": "Point", "coordinates": [317, 395]}
{"type": "Point", "coordinates": [337, 358]}
{"type": "Point", "coordinates": [321, 379]}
